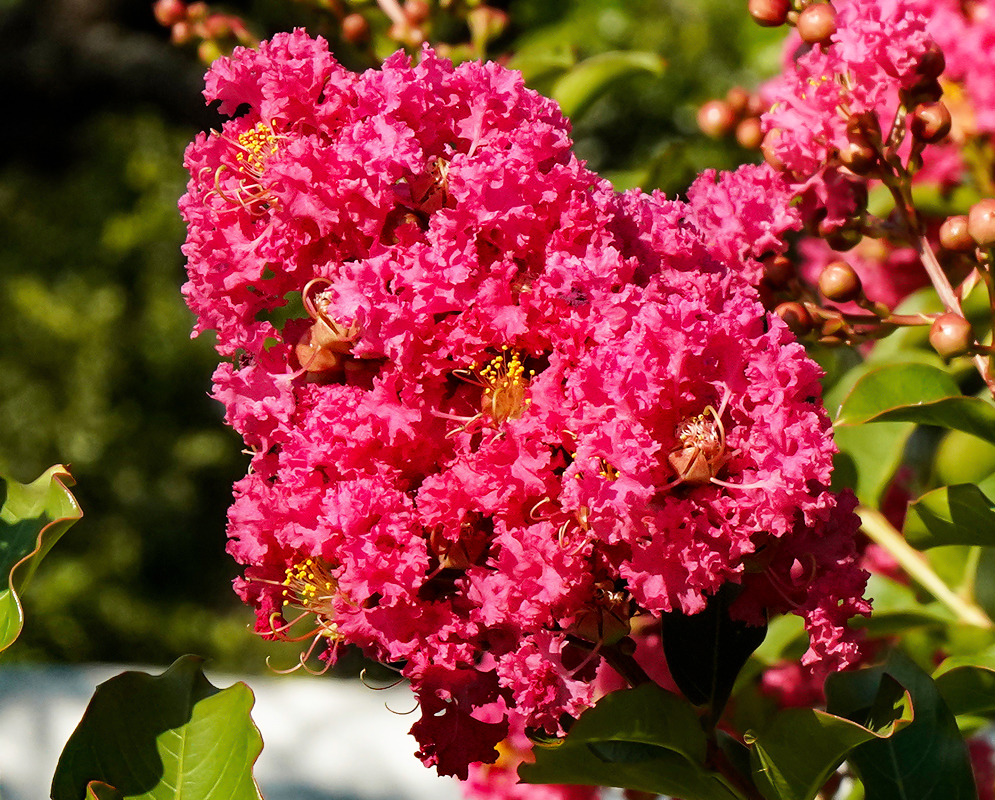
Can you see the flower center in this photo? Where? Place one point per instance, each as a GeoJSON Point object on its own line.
{"type": "Point", "coordinates": [311, 587]}
{"type": "Point", "coordinates": [505, 385]}
{"type": "Point", "coordinates": [256, 145]}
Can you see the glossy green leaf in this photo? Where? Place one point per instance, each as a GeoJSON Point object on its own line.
{"type": "Point", "coordinates": [577, 89]}
{"type": "Point", "coordinates": [961, 514]}
{"type": "Point", "coordinates": [967, 683]}
{"type": "Point", "coordinates": [784, 770]}
{"type": "Point", "coordinates": [917, 393]}
{"type": "Point", "coordinates": [32, 519]}
{"type": "Point", "coordinates": [646, 739]}
{"type": "Point", "coordinates": [927, 760]}
{"type": "Point", "coordinates": [98, 790]}
{"type": "Point", "coordinates": [170, 736]}
{"type": "Point", "coordinates": [869, 458]}
{"type": "Point", "coordinates": [962, 458]}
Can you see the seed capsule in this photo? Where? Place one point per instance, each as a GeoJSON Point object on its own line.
{"type": "Point", "coordinates": [769, 13]}
{"type": "Point", "coordinates": [981, 222]}
{"type": "Point", "coordinates": [817, 23]}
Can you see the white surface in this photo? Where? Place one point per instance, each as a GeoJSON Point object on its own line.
{"type": "Point", "coordinates": [324, 739]}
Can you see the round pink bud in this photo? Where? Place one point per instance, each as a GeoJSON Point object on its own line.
{"type": "Point", "coordinates": [951, 335]}
{"type": "Point", "coordinates": [840, 283]}
{"type": "Point", "coordinates": [770, 13]}
{"type": "Point", "coordinates": [930, 122]}
{"type": "Point", "coordinates": [716, 118]}
{"type": "Point", "coordinates": [750, 134]}
{"type": "Point", "coordinates": [796, 317]}
{"type": "Point", "coordinates": [738, 99]}
{"type": "Point", "coordinates": [355, 29]}
{"type": "Point", "coordinates": [954, 235]}
{"type": "Point", "coordinates": [169, 12]}
{"type": "Point", "coordinates": [768, 146]}
{"type": "Point", "coordinates": [779, 271]}
{"type": "Point", "coordinates": [817, 23]}
{"type": "Point", "coordinates": [981, 222]}
{"type": "Point", "coordinates": [416, 11]}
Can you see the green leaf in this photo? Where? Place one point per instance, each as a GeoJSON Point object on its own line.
{"type": "Point", "coordinates": [98, 790]}
{"type": "Point", "coordinates": [32, 519]}
{"type": "Point", "coordinates": [869, 458]}
{"type": "Point", "coordinates": [785, 770]}
{"type": "Point", "coordinates": [917, 393]}
{"type": "Point", "coordinates": [577, 89]}
{"type": "Point", "coordinates": [967, 683]}
{"type": "Point", "coordinates": [646, 739]}
{"type": "Point", "coordinates": [897, 609]}
{"type": "Point", "coordinates": [170, 736]}
{"type": "Point", "coordinates": [927, 760]}
{"type": "Point", "coordinates": [961, 514]}
{"type": "Point", "coordinates": [706, 651]}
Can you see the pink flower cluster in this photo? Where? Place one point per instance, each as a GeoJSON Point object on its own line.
{"type": "Point", "coordinates": [496, 410]}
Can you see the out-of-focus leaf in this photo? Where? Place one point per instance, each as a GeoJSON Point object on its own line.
{"type": "Point", "coordinates": [962, 458]}
{"type": "Point", "coordinates": [897, 609]}
{"type": "Point", "coordinates": [869, 458]}
{"type": "Point", "coordinates": [592, 77]}
{"type": "Point", "coordinates": [172, 736]}
{"type": "Point", "coordinates": [967, 683]}
{"type": "Point", "coordinates": [32, 519]}
{"type": "Point", "coordinates": [961, 514]}
{"type": "Point", "coordinates": [646, 739]}
{"type": "Point", "coordinates": [927, 759]}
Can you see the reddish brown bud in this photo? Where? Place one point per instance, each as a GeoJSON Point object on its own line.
{"type": "Point", "coordinates": [981, 222]}
{"type": "Point", "coordinates": [859, 157]}
{"type": "Point", "coordinates": [817, 23]}
{"type": "Point", "coordinates": [355, 29]}
{"type": "Point", "coordinates": [930, 122]}
{"type": "Point", "coordinates": [169, 12]}
{"type": "Point", "coordinates": [768, 148]}
{"type": "Point", "coordinates": [416, 11]}
{"type": "Point", "coordinates": [932, 63]}
{"type": "Point", "coordinates": [769, 13]}
{"type": "Point", "coordinates": [843, 239]}
{"type": "Point", "coordinates": [181, 33]}
{"type": "Point", "coordinates": [750, 134]}
{"type": "Point", "coordinates": [738, 99]}
{"type": "Point", "coordinates": [955, 236]}
{"type": "Point", "coordinates": [779, 271]}
{"type": "Point", "coordinates": [197, 12]}
{"type": "Point", "coordinates": [796, 317]}
{"type": "Point", "coordinates": [951, 335]}
{"type": "Point", "coordinates": [864, 128]}
{"type": "Point", "coordinates": [924, 91]}
{"type": "Point", "coordinates": [716, 119]}
{"type": "Point", "coordinates": [840, 283]}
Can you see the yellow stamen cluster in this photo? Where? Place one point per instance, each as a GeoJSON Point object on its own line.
{"type": "Point", "coordinates": [310, 585]}
{"type": "Point", "coordinates": [257, 144]}
{"type": "Point", "coordinates": [505, 384]}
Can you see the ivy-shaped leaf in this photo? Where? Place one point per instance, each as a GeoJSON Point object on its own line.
{"type": "Point", "coordinates": [172, 736]}
{"type": "Point", "coordinates": [32, 518]}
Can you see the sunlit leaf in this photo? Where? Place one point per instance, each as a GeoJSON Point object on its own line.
{"type": "Point", "coordinates": [646, 739]}
{"type": "Point", "coordinates": [172, 736]}
{"type": "Point", "coordinates": [32, 519]}
{"type": "Point", "coordinates": [578, 88]}
{"type": "Point", "coordinates": [961, 514]}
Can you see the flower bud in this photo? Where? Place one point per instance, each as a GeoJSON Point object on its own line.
{"type": "Point", "coordinates": [981, 222]}
{"type": "Point", "coordinates": [796, 317]}
{"type": "Point", "coordinates": [840, 283]}
{"type": "Point", "coordinates": [932, 63]}
{"type": "Point", "coordinates": [768, 146]}
{"type": "Point", "coordinates": [169, 12]}
{"type": "Point", "coordinates": [864, 128]}
{"type": "Point", "coordinates": [181, 33]}
{"type": "Point", "coordinates": [954, 235]}
{"type": "Point", "coordinates": [817, 23]}
{"type": "Point", "coordinates": [779, 271]}
{"type": "Point", "coordinates": [769, 13]}
{"type": "Point", "coordinates": [750, 134]}
{"type": "Point", "coordinates": [859, 157]}
{"type": "Point", "coordinates": [843, 239]}
{"type": "Point", "coordinates": [924, 91]}
{"type": "Point", "coordinates": [716, 119]}
{"type": "Point", "coordinates": [355, 29]}
{"type": "Point", "coordinates": [738, 99]}
{"type": "Point", "coordinates": [416, 11]}
{"type": "Point", "coordinates": [930, 122]}
{"type": "Point", "coordinates": [197, 12]}
{"type": "Point", "coordinates": [951, 335]}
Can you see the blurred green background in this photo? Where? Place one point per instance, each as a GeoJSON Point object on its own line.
{"type": "Point", "coordinates": [97, 368]}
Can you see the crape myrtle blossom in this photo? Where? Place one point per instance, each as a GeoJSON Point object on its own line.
{"type": "Point", "coordinates": [496, 410]}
